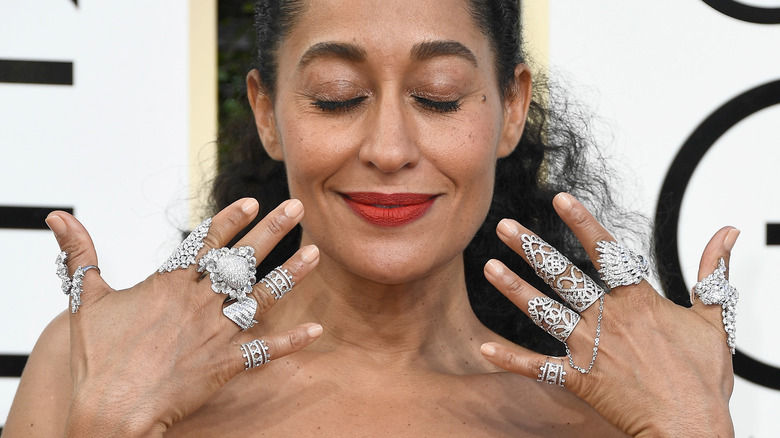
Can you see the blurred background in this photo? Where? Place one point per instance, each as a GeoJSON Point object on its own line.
{"type": "Point", "coordinates": [111, 110]}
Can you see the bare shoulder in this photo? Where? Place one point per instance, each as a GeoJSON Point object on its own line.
{"type": "Point", "coordinates": [40, 406]}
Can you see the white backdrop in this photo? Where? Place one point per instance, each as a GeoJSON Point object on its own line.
{"type": "Point", "coordinates": [114, 145]}
{"type": "Point", "coordinates": [652, 72]}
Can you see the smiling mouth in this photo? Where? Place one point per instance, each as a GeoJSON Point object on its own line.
{"type": "Point", "coordinates": [389, 210]}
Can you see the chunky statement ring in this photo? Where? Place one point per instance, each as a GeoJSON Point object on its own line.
{"type": "Point", "coordinates": [553, 317]}
{"type": "Point", "coordinates": [184, 255]}
{"type": "Point", "coordinates": [278, 282]}
{"type": "Point", "coordinates": [619, 265]}
{"type": "Point", "coordinates": [231, 270]}
{"type": "Point", "coordinates": [75, 288]}
{"type": "Point", "coordinates": [242, 312]}
{"type": "Point", "coordinates": [552, 373]}
{"type": "Point", "coordinates": [255, 353]}
{"type": "Point", "coordinates": [715, 289]}
{"type": "Point", "coordinates": [62, 272]}
{"type": "Point", "coordinates": [576, 288]}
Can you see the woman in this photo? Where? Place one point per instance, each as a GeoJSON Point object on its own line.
{"type": "Point", "coordinates": [390, 131]}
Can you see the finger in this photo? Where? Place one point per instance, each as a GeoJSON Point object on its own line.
{"type": "Point", "coordinates": [567, 280]}
{"type": "Point", "coordinates": [253, 351]}
{"type": "Point", "coordinates": [276, 283]}
{"type": "Point", "coordinates": [553, 317]}
{"type": "Point", "coordinates": [719, 247]}
{"type": "Point", "coordinates": [582, 223]}
{"type": "Point", "coordinates": [74, 239]}
{"type": "Point", "coordinates": [264, 236]}
{"type": "Point", "coordinates": [229, 222]}
{"type": "Point", "coordinates": [545, 369]}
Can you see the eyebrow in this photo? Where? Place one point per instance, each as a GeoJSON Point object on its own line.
{"type": "Point", "coordinates": [431, 49]}
{"type": "Point", "coordinates": [347, 51]}
{"type": "Point", "coordinates": [354, 53]}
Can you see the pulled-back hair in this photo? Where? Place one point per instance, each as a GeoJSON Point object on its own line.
{"type": "Point", "coordinates": [553, 155]}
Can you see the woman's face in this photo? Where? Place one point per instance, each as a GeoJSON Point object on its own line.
{"type": "Point", "coordinates": [389, 119]}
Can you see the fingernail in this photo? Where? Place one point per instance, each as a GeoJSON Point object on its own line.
{"type": "Point", "coordinates": [310, 254]}
{"type": "Point", "coordinates": [563, 200]}
{"type": "Point", "coordinates": [249, 206]}
{"type": "Point", "coordinates": [315, 330]}
{"type": "Point", "coordinates": [293, 209]}
{"type": "Point", "coordinates": [731, 239]}
{"type": "Point", "coordinates": [56, 224]}
{"type": "Point", "coordinates": [507, 228]}
{"type": "Point", "coordinates": [488, 350]}
{"type": "Point", "coordinates": [494, 268]}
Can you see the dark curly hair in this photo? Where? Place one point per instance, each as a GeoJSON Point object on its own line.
{"type": "Point", "coordinates": [553, 155]}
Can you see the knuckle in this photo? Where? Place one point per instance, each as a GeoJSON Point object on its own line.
{"type": "Point", "coordinates": [263, 297]}
{"type": "Point", "coordinates": [276, 225]}
{"type": "Point", "coordinates": [515, 286]}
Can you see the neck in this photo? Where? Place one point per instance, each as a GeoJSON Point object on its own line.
{"type": "Point", "coordinates": [429, 319]}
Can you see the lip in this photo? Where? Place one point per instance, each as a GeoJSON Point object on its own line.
{"type": "Point", "coordinates": [389, 209]}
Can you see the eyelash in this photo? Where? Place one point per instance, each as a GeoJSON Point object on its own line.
{"type": "Point", "coordinates": [336, 106]}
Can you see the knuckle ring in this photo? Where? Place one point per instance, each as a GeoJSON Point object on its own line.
{"type": "Point", "coordinates": [184, 255]}
{"type": "Point", "coordinates": [231, 270]}
{"type": "Point", "coordinates": [715, 289]}
{"type": "Point", "coordinates": [619, 265]}
{"type": "Point", "coordinates": [75, 288]}
{"type": "Point", "coordinates": [553, 317]}
{"type": "Point", "coordinates": [278, 282]}
{"type": "Point", "coordinates": [550, 265]}
{"type": "Point", "coordinates": [62, 272]}
{"type": "Point", "coordinates": [256, 354]}
{"type": "Point", "coordinates": [552, 372]}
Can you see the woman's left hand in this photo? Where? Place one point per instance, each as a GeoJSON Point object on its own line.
{"type": "Point", "coordinates": [660, 370]}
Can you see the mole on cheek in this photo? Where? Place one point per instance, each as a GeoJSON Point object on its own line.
{"type": "Point", "coordinates": [484, 98]}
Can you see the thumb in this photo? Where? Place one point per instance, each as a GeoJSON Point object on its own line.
{"type": "Point", "coordinates": [74, 239]}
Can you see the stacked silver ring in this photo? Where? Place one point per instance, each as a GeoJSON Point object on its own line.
{"type": "Point", "coordinates": [278, 282]}
{"type": "Point", "coordinates": [715, 289]}
{"type": "Point", "coordinates": [619, 265]}
{"type": "Point", "coordinates": [552, 373]}
{"type": "Point", "coordinates": [255, 353]}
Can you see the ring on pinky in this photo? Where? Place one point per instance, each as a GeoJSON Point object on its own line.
{"type": "Point", "coordinates": [256, 353]}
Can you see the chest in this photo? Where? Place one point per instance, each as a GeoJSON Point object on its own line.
{"type": "Point", "coordinates": [301, 402]}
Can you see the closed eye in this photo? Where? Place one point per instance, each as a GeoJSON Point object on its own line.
{"type": "Point", "coordinates": [446, 106]}
{"type": "Point", "coordinates": [335, 106]}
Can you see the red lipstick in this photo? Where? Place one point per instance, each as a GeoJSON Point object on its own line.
{"type": "Point", "coordinates": [389, 210]}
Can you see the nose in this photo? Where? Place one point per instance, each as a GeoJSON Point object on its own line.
{"type": "Point", "coordinates": [391, 143]}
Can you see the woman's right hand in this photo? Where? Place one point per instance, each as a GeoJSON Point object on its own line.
{"type": "Point", "coordinates": [144, 358]}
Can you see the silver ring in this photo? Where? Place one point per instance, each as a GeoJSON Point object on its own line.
{"type": "Point", "coordinates": [231, 270]}
{"type": "Point", "coordinates": [278, 282]}
{"type": "Point", "coordinates": [715, 289]}
{"type": "Point", "coordinates": [553, 317]}
{"type": "Point", "coordinates": [62, 272]}
{"type": "Point", "coordinates": [184, 255]}
{"type": "Point", "coordinates": [619, 265]}
{"type": "Point", "coordinates": [575, 287]}
{"type": "Point", "coordinates": [242, 312]}
{"type": "Point", "coordinates": [255, 353]}
{"type": "Point", "coordinates": [552, 373]}
{"type": "Point", "coordinates": [76, 284]}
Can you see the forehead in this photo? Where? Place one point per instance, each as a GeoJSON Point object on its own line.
{"type": "Point", "coordinates": [385, 29]}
